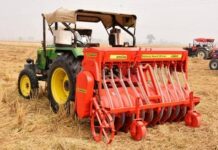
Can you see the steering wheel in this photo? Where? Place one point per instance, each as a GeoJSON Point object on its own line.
{"type": "Point", "coordinates": [79, 42]}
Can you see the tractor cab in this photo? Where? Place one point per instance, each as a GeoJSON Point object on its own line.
{"type": "Point", "coordinates": [70, 37]}
{"type": "Point", "coordinates": [203, 42]}
{"type": "Point", "coordinates": [64, 27]}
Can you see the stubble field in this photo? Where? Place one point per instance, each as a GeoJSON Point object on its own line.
{"type": "Point", "coordinates": [30, 124]}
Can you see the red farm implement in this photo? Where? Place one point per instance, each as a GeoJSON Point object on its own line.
{"type": "Point", "coordinates": [134, 88]}
{"type": "Point", "coordinates": [120, 88]}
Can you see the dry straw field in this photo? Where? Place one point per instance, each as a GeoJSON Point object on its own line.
{"type": "Point", "coordinates": [30, 124]}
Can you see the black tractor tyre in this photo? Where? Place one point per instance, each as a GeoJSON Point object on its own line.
{"type": "Point", "coordinates": [27, 84]}
{"type": "Point", "coordinates": [72, 67]}
{"type": "Point", "coordinates": [202, 54]}
{"type": "Point", "coordinates": [213, 64]}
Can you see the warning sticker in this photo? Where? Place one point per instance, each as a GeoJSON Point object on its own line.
{"type": "Point", "coordinates": [91, 54]}
{"type": "Point", "coordinates": [81, 90]}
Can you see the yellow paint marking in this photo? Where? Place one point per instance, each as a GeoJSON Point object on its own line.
{"type": "Point", "coordinates": [161, 56]}
{"type": "Point", "coordinates": [91, 54]}
{"type": "Point", "coordinates": [120, 57]}
{"type": "Point", "coordinates": [81, 90]}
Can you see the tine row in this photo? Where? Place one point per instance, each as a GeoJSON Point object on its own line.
{"type": "Point", "coordinates": [151, 84]}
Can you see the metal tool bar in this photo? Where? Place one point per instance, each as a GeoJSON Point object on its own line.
{"type": "Point", "coordinates": [124, 87]}
{"type": "Point", "coordinates": [107, 90]}
{"type": "Point", "coordinates": [115, 88]}
{"type": "Point", "coordinates": [181, 92]}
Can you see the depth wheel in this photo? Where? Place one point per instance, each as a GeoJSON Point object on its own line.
{"type": "Point", "coordinates": [62, 82]}
{"type": "Point", "coordinates": [27, 84]}
{"type": "Point", "coordinates": [102, 126]}
{"type": "Point", "coordinates": [193, 119]}
{"type": "Point", "coordinates": [137, 130]}
{"type": "Point", "coordinates": [213, 64]}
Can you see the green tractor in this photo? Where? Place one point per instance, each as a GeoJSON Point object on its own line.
{"type": "Point", "coordinates": [58, 64]}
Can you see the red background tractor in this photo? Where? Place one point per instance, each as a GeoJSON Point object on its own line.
{"type": "Point", "coordinates": [213, 65]}
{"type": "Point", "coordinates": [201, 47]}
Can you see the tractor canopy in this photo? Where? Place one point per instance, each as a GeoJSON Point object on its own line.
{"type": "Point", "coordinates": [204, 40]}
{"type": "Point", "coordinates": [114, 23]}
{"type": "Point", "coordinates": [108, 19]}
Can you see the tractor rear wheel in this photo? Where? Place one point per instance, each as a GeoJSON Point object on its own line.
{"type": "Point", "coordinates": [27, 84]}
{"type": "Point", "coordinates": [202, 54]}
{"type": "Point", "coordinates": [62, 81]}
{"type": "Point", "coordinates": [213, 64]}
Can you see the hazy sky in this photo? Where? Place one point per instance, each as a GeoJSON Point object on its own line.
{"type": "Point", "coordinates": [167, 20]}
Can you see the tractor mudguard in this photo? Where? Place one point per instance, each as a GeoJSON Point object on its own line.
{"type": "Point", "coordinates": [52, 53]}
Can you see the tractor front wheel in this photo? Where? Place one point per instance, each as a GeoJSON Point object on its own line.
{"type": "Point", "coordinates": [27, 84]}
{"type": "Point", "coordinates": [61, 81]}
{"type": "Point", "coordinates": [213, 64]}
